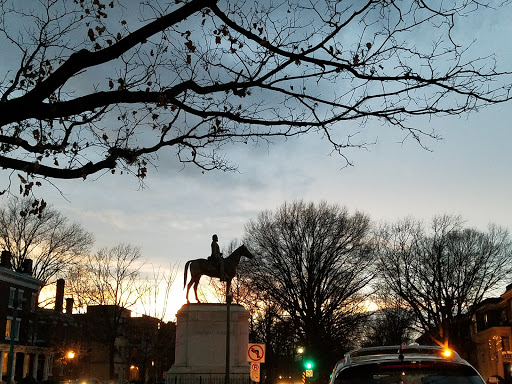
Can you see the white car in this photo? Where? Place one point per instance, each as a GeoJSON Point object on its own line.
{"type": "Point", "coordinates": [412, 364]}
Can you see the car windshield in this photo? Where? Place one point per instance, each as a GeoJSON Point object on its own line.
{"type": "Point", "coordinates": [409, 373]}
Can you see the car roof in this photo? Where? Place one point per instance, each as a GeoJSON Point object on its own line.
{"type": "Point", "coordinates": [397, 353]}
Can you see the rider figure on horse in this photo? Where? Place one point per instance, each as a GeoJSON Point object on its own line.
{"type": "Point", "coordinates": [216, 257]}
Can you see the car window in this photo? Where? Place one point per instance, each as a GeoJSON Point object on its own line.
{"type": "Point", "coordinates": [409, 373]}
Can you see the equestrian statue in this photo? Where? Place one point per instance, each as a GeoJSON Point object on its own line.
{"type": "Point", "coordinates": [215, 266]}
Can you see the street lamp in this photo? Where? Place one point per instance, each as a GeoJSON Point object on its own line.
{"type": "Point", "coordinates": [300, 356]}
{"type": "Point", "coordinates": [10, 358]}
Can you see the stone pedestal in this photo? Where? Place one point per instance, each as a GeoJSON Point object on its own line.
{"type": "Point", "coordinates": [200, 355]}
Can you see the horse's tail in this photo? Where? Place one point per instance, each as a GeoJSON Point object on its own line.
{"type": "Point", "coordinates": [186, 269]}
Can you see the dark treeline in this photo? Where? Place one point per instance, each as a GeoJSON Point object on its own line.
{"type": "Point", "coordinates": [329, 280]}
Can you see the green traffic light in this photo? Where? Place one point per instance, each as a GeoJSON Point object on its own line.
{"type": "Point", "coordinates": [308, 364]}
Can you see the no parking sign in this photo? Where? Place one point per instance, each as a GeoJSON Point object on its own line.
{"type": "Point", "coordinates": [255, 372]}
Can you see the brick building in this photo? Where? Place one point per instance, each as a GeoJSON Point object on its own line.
{"type": "Point", "coordinates": [143, 348]}
{"type": "Point", "coordinates": [37, 342]}
{"type": "Point", "coordinates": [491, 331]}
{"type": "Point", "coordinates": [20, 356]}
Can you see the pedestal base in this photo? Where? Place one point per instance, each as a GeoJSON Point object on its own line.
{"type": "Point", "coordinates": [200, 355]}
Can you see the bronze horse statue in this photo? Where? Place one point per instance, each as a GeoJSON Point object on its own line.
{"type": "Point", "coordinates": [200, 267]}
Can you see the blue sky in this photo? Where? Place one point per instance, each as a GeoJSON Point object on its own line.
{"type": "Point", "coordinates": [467, 173]}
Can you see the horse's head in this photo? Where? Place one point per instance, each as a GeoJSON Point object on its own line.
{"type": "Point", "coordinates": [245, 252]}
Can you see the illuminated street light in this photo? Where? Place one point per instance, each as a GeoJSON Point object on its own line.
{"type": "Point", "coordinates": [70, 355]}
{"type": "Point", "coordinates": [300, 350]}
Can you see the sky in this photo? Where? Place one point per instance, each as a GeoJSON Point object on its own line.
{"type": "Point", "coordinates": [173, 217]}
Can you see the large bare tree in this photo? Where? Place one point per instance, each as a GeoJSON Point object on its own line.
{"type": "Point", "coordinates": [50, 240]}
{"type": "Point", "coordinates": [312, 262]}
{"type": "Point", "coordinates": [109, 279]}
{"type": "Point", "coordinates": [90, 87]}
{"type": "Point", "coordinates": [443, 272]}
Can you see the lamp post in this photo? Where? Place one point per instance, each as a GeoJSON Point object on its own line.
{"type": "Point", "coordinates": [10, 359]}
{"type": "Point", "coordinates": [229, 300]}
{"type": "Point", "coordinates": [14, 331]}
{"type": "Point", "coordinates": [300, 357]}
{"type": "Point", "coordinates": [69, 364]}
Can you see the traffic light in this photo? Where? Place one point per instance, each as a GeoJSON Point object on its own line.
{"type": "Point", "coordinates": [308, 364]}
{"type": "Point", "coordinates": [309, 370]}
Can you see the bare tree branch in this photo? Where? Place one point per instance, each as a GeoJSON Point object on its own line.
{"type": "Point", "coordinates": [90, 95]}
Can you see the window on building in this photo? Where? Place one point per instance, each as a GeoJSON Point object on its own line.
{"type": "Point", "coordinates": [17, 330]}
{"type": "Point", "coordinates": [133, 374]}
{"type": "Point", "coordinates": [20, 298]}
{"type": "Point", "coordinates": [30, 332]}
{"type": "Point", "coordinates": [10, 331]}
{"type": "Point", "coordinates": [50, 363]}
{"type": "Point", "coordinates": [42, 331]}
{"type": "Point", "coordinates": [12, 295]}
{"type": "Point", "coordinates": [8, 328]}
{"type": "Point", "coordinates": [4, 365]}
{"type": "Point", "coordinates": [33, 302]}
{"type": "Point", "coordinates": [506, 343]}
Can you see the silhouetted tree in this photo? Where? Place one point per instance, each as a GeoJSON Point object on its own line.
{"type": "Point", "coordinates": [85, 88]}
{"type": "Point", "coordinates": [109, 280]}
{"type": "Point", "coordinates": [50, 240]}
{"type": "Point", "coordinates": [312, 262]}
{"type": "Point", "coordinates": [443, 272]}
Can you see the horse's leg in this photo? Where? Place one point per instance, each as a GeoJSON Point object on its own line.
{"type": "Point", "coordinates": [188, 288]}
{"type": "Point", "coordinates": [195, 289]}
